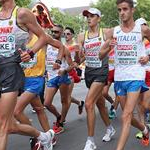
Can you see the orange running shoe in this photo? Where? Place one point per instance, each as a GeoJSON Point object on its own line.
{"type": "Point", "coordinates": [145, 139]}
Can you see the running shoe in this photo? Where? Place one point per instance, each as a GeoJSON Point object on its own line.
{"type": "Point", "coordinates": [109, 133]}
{"type": "Point", "coordinates": [145, 139]}
{"type": "Point", "coordinates": [58, 129]}
{"type": "Point", "coordinates": [139, 135]}
{"type": "Point", "coordinates": [47, 142]}
{"type": "Point", "coordinates": [34, 144]}
{"type": "Point", "coordinates": [89, 145]}
{"type": "Point", "coordinates": [80, 107]}
{"type": "Point", "coordinates": [112, 114]}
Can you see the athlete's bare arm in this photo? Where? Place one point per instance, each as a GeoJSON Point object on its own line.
{"type": "Point", "coordinates": [80, 41]}
{"type": "Point", "coordinates": [108, 45]}
{"type": "Point", "coordinates": [57, 44]}
{"type": "Point", "coordinates": [28, 21]}
{"type": "Point", "coordinates": [146, 34]}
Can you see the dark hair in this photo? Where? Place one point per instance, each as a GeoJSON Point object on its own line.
{"type": "Point", "coordinates": [130, 2]}
{"type": "Point", "coordinates": [70, 29]}
{"type": "Point", "coordinates": [40, 8]}
{"type": "Point", "coordinates": [59, 26]}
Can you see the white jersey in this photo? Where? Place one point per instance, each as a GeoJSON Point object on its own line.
{"type": "Point", "coordinates": [128, 50]}
{"type": "Point", "coordinates": [51, 56]}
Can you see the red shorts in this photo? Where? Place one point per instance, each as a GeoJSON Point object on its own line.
{"type": "Point", "coordinates": [147, 79]}
{"type": "Point", "coordinates": [111, 75]}
{"type": "Point", "coordinates": [74, 76]}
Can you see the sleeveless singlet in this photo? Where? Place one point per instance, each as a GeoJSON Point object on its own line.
{"type": "Point", "coordinates": [128, 50]}
{"type": "Point", "coordinates": [12, 37]}
{"type": "Point", "coordinates": [38, 63]}
{"type": "Point", "coordinates": [72, 50]}
{"type": "Point", "coordinates": [147, 49]}
{"type": "Point", "coordinates": [92, 47]}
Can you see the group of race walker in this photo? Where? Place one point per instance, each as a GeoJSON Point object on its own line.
{"type": "Point", "coordinates": [32, 61]}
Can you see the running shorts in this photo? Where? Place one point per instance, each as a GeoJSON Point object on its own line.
{"type": "Point", "coordinates": [95, 75]}
{"type": "Point", "coordinates": [147, 79]}
{"type": "Point", "coordinates": [11, 78]}
{"type": "Point", "coordinates": [57, 81]}
{"type": "Point", "coordinates": [111, 75]}
{"type": "Point", "coordinates": [34, 85]}
{"type": "Point", "coordinates": [74, 76]}
{"type": "Point", "coordinates": [124, 87]}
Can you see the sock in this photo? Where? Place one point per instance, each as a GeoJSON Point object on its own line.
{"type": "Point", "coordinates": [58, 118]}
{"type": "Point", "coordinates": [91, 138]}
{"type": "Point", "coordinates": [145, 131]}
{"type": "Point", "coordinates": [110, 127]}
{"type": "Point", "coordinates": [41, 137]}
{"type": "Point", "coordinates": [112, 107]}
{"type": "Point", "coordinates": [61, 124]}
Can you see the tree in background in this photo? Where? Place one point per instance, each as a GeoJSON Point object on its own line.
{"type": "Point", "coordinates": [23, 3]}
{"type": "Point", "coordinates": [59, 17]}
{"type": "Point", "coordinates": [110, 14]}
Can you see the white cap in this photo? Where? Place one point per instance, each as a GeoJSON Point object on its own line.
{"type": "Point", "coordinates": [134, 3]}
{"type": "Point", "coordinates": [141, 21]}
{"type": "Point", "coordinates": [93, 11]}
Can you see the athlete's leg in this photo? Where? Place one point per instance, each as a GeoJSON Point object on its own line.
{"type": "Point", "coordinates": [64, 92]}
{"type": "Point", "coordinates": [22, 102]}
{"type": "Point", "coordinates": [7, 105]}
{"type": "Point", "coordinates": [91, 99]}
{"type": "Point", "coordinates": [106, 92]}
{"type": "Point", "coordinates": [134, 121]}
{"type": "Point", "coordinates": [42, 117]}
{"type": "Point", "coordinates": [102, 110]}
{"type": "Point", "coordinates": [130, 103]}
{"type": "Point", "coordinates": [49, 95]}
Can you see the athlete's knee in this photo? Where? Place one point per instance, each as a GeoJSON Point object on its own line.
{"type": "Point", "coordinates": [39, 109]}
{"type": "Point", "coordinates": [126, 116]}
{"type": "Point", "coordinates": [89, 105]}
{"type": "Point", "coordinates": [17, 112]}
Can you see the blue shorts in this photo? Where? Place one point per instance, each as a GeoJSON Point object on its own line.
{"type": "Point", "coordinates": [57, 81]}
{"type": "Point", "coordinates": [34, 85]}
{"type": "Point", "coordinates": [124, 87]}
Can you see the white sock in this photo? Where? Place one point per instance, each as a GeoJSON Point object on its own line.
{"type": "Point", "coordinates": [91, 138]}
{"type": "Point", "coordinates": [145, 131]}
{"type": "Point", "coordinates": [41, 137]}
{"type": "Point", "coordinates": [110, 127]}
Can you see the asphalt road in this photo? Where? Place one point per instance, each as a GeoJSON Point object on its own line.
{"type": "Point", "coordinates": [75, 134]}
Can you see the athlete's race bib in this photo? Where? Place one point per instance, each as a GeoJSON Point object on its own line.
{"type": "Point", "coordinates": [7, 45]}
{"type": "Point", "coordinates": [126, 54]}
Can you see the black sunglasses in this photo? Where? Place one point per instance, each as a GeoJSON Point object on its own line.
{"type": "Point", "coordinates": [67, 33]}
{"type": "Point", "coordinates": [55, 32]}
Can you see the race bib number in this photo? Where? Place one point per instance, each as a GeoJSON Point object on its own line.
{"type": "Point", "coordinates": [127, 54]}
{"type": "Point", "coordinates": [7, 45]}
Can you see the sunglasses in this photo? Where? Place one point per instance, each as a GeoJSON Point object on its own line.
{"type": "Point", "coordinates": [67, 33]}
{"type": "Point", "coordinates": [55, 32]}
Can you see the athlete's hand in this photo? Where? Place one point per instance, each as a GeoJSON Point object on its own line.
{"type": "Point", "coordinates": [25, 57]}
{"type": "Point", "coordinates": [112, 43]}
{"type": "Point", "coordinates": [62, 72]}
{"type": "Point", "coordinates": [144, 60]}
{"type": "Point", "coordinates": [56, 66]}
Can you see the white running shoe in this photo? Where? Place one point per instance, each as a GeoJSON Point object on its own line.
{"type": "Point", "coordinates": [109, 133]}
{"type": "Point", "coordinates": [47, 143]}
{"type": "Point", "coordinates": [89, 145]}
